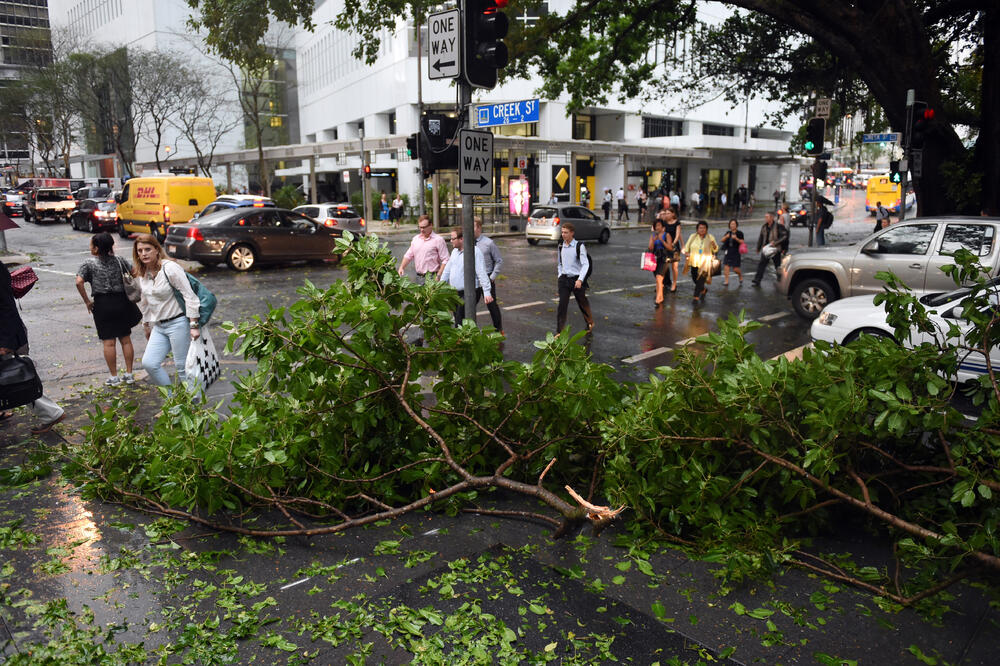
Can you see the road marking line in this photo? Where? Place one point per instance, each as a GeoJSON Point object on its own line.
{"type": "Point", "coordinates": [525, 305]}
{"type": "Point", "coordinates": [298, 582]}
{"type": "Point", "coordinates": [643, 356]}
{"type": "Point", "coordinates": [49, 270]}
{"type": "Point", "coordinates": [772, 317]}
{"type": "Point", "coordinates": [609, 291]}
{"type": "Point", "coordinates": [642, 286]}
{"type": "Point", "coordinates": [685, 341]}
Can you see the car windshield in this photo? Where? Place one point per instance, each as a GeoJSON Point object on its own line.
{"type": "Point", "coordinates": [106, 205]}
{"type": "Point", "coordinates": [935, 300]}
{"type": "Point", "coordinates": [544, 213]}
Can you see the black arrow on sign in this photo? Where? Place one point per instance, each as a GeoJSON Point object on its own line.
{"type": "Point", "coordinates": [439, 65]}
{"type": "Point", "coordinates": [481, 182]}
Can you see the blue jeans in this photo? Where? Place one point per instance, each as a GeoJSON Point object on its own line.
{"type": "Point", "coordinates": [820, 236]}
{"type": "Point", "coordinates": [171, 336]}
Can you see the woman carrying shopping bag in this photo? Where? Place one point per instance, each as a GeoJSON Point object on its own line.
{"type": "Point", "coordinates": [662, 247]}
{"type": "Point", "coordinates": [168, 328]}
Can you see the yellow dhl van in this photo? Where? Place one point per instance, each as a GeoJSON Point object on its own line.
{"type": "Point", "coordinates": [150, 204]}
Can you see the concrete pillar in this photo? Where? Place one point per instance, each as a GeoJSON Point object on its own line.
{"type": "Point", "coordinates": [229, 177]}
{"type": "Point", "coordinates": [312, 179]}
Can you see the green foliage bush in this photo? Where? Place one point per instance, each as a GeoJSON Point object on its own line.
{"type": "Point", "coordinates": [288, 196]}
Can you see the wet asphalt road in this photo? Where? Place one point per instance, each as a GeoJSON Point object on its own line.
{"type": "Point", "coordinates": [631, 335]}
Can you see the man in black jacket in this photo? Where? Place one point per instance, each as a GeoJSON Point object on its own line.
{"type": "Point", "coordinates": [771, 245]}
{"type": "Point", "coordinates": [14, 338]}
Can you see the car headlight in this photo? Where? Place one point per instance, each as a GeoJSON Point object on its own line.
{"type": "Point", "coordinates": [827, 318]}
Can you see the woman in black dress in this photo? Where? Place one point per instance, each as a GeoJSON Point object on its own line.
{"type": "Point", "coordinates": [114, 314]}
{"type": "Point", "coordinates": [661, 245]}
{"type": "Point", "coordinates": [731, 244]}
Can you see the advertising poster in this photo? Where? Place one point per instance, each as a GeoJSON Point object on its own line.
{"type": "Point", "coordinates": [519, 196]}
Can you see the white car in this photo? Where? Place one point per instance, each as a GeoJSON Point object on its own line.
{"type": "Point", "coordinates": [845, 320]}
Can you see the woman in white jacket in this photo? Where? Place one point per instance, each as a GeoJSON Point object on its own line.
{"type": "Point", "coordinates": [164, 322]}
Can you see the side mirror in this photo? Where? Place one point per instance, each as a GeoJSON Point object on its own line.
{"type": "Point", "coordinates": [953, 312]}
{"type": "Point", "coordinates": [871, 247]}
{"type": "Point", "coordinates": [118, 198]}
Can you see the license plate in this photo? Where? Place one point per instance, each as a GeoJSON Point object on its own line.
{"type": "Point", "coordinates": [171, 249]}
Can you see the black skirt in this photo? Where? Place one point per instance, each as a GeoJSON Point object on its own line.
{"type": "Point", "coordinates": [115, 315]}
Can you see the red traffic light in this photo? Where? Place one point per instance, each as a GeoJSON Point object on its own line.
{"type": "Point", "coordinates": [928, 113]}
{"type": "Point", "coordinates": [500, 4]}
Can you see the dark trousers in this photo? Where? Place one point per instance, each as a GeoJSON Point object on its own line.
{"type": "Point", "coordinates": [698, 277]}
{"type": "Point", "coordinates": [622, 210]}
{"type": "Point", "coordinates": [607, 209]}
{"type": "Point", "coordinates": [762, 266]}
{"type": "Point", "coordinates": [820, 235]}
{"type": "Point", "coordinates": [460, 310]}
{"type": "Point", "coordinates": [567, 286]}
{"type": "Point", "coordinates": [494, 307]}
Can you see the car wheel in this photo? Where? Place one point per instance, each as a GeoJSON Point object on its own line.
{"type": "Point", "coordinates": [90, 226]}
{"type": "Point", "coordinates": [873, 332]}
{"type": "Point", "coordinates": [121, 230]}
{"type": "Point", "coordinates": [241, 258]}
{"type": "Point", "coordinates": [604, 237]}
{"type": "Point", "coordinates": [809, 297]}
{"type": "Point", "coordinates": [532, 241]}
{"type": "Point", "coordinates": [72, 223]}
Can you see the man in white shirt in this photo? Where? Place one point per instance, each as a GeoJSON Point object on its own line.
{"type": "Point", "coordinates": [572, 266]}
{"type": "Point", "coordinates": [454, 274]}
{"type": "Point", "coordinates": [622, 204]}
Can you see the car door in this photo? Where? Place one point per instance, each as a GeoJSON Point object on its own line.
{"type": "Point", "coordinates": [583, 226]}
{"type": "Point", "coordinates": [903, 249]}
{"type": "Point", "coordinates": [78, 220]}
{"type": "Point", "coordinates": [307, 239]}
{"type": "Point", "coordinates": [977, 238]}
{"type": "Point", "coordinates": [271, 239]}
{"type": "Point", "coordinates": [592, 221]}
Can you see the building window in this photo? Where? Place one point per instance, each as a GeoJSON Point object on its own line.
{"type": "Point", "coordinates": [583, 127]}
{"type": "Point", "coordinates": [718, 130]}
{"type": "Point", "coordinates": [392, 123]}
{"type": "Point", "coordinates": [653, 127]}
{"type": "Point", "coordinates": [522, 129]}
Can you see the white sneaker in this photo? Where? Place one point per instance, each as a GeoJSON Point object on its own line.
{"type": "Point", "coordinates": [112, 381]}
{"type": "Point", "coordinates": [128, 378]}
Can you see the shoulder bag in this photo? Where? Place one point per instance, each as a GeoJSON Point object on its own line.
{"type": "Point", "coordinates": [132, 289]}
{"type": "Point", "coordinates": [22, 280]}
{"type": "Point", "coordinates": [19, 382]}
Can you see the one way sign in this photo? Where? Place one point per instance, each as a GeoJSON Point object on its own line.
{"type": "Point", "coordinates": [442, 47]}
{"type": "Point", "coordinates": [475, 162]}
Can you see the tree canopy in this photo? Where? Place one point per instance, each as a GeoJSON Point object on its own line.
{"type": "Point", "coordinates": [857, 52]}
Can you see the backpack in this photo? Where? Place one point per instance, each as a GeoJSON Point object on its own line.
{"type": "Point", "coordinates": [206, 298]}
{"type": "Point", "coordinates": [826, 219]}
{"type": "Point", "coordinates": [590, 263]}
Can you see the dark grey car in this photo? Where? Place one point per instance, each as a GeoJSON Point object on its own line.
{"type": "Point", "coordinates": [243, 237]}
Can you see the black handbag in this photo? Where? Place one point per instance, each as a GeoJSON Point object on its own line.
{"type": "Point", "coordinates": [19, 382]}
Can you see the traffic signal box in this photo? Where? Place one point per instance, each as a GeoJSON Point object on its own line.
{"type": "Point", "coordinates": [367, 169]}
{"type": "Point", "coordinates": [895, 175]}
{"type": "Point", "coordinates": [923, 115]}
{"type": "Point", "coordinates": [438, 142]}
{"type": "Point", "coordinates": [483, 51]}
{"type": "Point", "coordinates": [815, 130]}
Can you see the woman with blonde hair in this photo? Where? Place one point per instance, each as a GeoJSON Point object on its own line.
{"type": "Point", "coordinates": [164, 322]}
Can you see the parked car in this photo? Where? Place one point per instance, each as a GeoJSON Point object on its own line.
{"type": "Point", "coordinates": [95, 215]}
{"type": "Point", "coordinates": [14, 205]}
{"type": "Point", "coordinates": [230, 201]}
{"type": "Point", "coordinates": [545, 222]}
{"type": "Point", "coordinates": [914, 250]}
{"type": "Point", "coordinates": [336, 215]}
{"type": "Point", "coordinates": [245, 236]}
{"type": "Point", "coordinates": [50, 203]}
{"type": "Point", "coordinates": [92, 193]}
{"type": "Point", "coordinates": [848, 319]}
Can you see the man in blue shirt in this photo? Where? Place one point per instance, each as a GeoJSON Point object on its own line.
{"type": "Point", "coordinates": [493, 261]}
{"type": "Point", "coordinates": [572, 267]}
{"type": "Point", "coordinates": [454, 274]}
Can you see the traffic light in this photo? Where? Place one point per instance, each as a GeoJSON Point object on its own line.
{"type": "Point", "coordinates": [895, 175]}
{"type": "Point", "coordinates": [819, 170]}
{"type": "Point", "coordinates": [411, 145]}
{"type": "Point", "coordinates": [367, 169]}
{"type": "Point", "coordinates": [439, 147]}
{"type": "Point", "coordinates": [484, 26]}
{"type": "Point", "coordinates": [922, 117]}
{"type": "Point", "coordinates": [815, 130]}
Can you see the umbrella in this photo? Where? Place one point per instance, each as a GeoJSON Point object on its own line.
{"type": "Point", "coordinates": [823, 200]}
{"type": "Point", "coordinates": [7, 223]}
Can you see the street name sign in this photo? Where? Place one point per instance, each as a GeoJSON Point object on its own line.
{"type": "Point", "coordinates": [475, 162]}
{"type": "Point", "coordinates": [442, 46]}
{"type": "Point", "coordinates": [823, 107]}
{"type": "Point", "coordinates": [508, 113]}
{"type": "Point", "coordinates": [889, 137]}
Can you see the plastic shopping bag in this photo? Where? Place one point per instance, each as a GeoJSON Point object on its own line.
{"type": "Point", "coordinates": [648, 261]}
{"type": "Point", "coordinates": [202, 366]}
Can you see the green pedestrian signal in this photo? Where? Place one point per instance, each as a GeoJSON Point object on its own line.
{"type": "Point", "coordinates": [895, 175]}
{"type": "Point", "coordinates": [815, 129]}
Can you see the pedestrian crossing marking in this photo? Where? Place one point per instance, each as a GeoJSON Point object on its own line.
{"type": "Point", "coordinates": [649, 354]}
{"type": "Point", "coordinates": [685, 342]}
{"type": "Point", "coordinates": [773, 316]}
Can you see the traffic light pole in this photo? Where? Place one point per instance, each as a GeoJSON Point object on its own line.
{"type": "Point", "coordinates": [905, 163]}
{"type": "Point", "coordinates": [468, 227]}
{"type": "Point", "coordinates": [365, 198]}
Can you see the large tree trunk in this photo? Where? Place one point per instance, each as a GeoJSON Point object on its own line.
{"type": "Point", "coordinates": [987, 156]}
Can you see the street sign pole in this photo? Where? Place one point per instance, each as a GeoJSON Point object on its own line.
{"type": "Point", "coordinates": [905, 162]}
{"type": "Point", "coordinates": [468, 228]}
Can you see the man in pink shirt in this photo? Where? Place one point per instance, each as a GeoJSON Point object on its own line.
{"type": "Point", "coordinates": [428, 251]}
